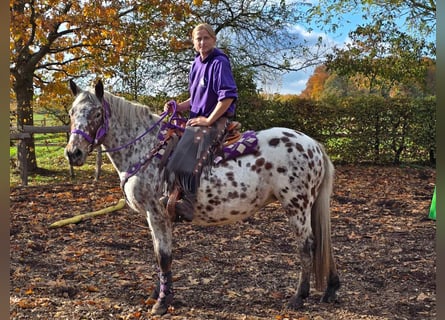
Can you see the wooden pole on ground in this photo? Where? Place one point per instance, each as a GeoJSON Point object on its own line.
{"type": "Point", "coordinates": [81, 217]}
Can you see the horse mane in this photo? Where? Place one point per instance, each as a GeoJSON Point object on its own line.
{"type": "Point", "coordinates": [123, 107]}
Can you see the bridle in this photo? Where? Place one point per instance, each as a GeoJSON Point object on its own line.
{"type": "Point", "coordinates": [101, 131]}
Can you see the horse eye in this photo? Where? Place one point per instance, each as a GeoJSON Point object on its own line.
{"type": "Point", "coordinates": [98, 115]}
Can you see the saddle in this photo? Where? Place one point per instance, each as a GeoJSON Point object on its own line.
{"type": "Point", "coordinates": [231, 144]}
{"type": "Point", "coordinates": [233, 134]}
{"type": "Point", "coordinates": [170, 134]}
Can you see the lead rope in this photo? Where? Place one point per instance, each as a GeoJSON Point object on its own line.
{"type": "Point", "coordinates": [171, 123]}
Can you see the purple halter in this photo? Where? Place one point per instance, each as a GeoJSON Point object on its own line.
{"type": "Point", "coordinates": [101, 131]}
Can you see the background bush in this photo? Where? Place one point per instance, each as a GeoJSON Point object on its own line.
{"type": "Point", "coordinates": [357, 129]}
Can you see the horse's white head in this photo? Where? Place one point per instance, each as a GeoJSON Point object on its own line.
{"type": "Point", "coordinates": [88, 122]}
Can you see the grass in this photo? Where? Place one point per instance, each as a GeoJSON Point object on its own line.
{"type": "Point", "coordinates": [53, 168]}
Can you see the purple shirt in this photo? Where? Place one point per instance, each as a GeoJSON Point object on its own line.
{"type": "Point", "coordinates": [211, 81]}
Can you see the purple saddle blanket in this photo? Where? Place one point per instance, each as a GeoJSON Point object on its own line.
{"type": "Point", "coordinates": [247, 144]}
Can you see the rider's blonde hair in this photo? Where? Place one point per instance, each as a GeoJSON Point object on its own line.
{"type": "Point", "coordinates": [204, 26]}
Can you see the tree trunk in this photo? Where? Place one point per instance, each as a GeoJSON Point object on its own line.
{"type": "Point", "coordinates": [23, 87]}
{"type": "Point", "coordinates": [377, 140]}
{"type": "Point", "coordinates": [432, 156]}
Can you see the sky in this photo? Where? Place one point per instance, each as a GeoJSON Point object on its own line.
{"type": "Point", "coordinates": [295, 82]}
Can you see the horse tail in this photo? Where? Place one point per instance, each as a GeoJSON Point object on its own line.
{"type": "Point", "coordinates": [321, 226]}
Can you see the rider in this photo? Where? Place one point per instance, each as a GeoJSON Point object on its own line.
{"type": "Point", "coordinates": [213, 93]}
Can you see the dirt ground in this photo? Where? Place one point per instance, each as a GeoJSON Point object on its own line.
{"type": "Point", "coordinates": [103, 268]}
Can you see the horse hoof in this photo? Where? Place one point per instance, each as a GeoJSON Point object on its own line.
{"type": "Point", "coordinates": [330, 294]}
{"type": "Point", "coordinates": [329, 298]}
{"type": "Point", "coordinates": [161, 306]}
{"type": "Point", "coordinates": [295, 303]}
{"type": "Point", "coordinates": [159, 309]}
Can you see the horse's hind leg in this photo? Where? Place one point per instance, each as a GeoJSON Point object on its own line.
{"type": "Point", "coordinates": [297, 301]}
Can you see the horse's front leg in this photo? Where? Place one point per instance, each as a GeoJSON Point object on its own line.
{"type": "Point", "coordinates": [161, 231]}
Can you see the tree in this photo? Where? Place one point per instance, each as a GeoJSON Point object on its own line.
{"type": "Point", "coordinates": [337, 86]}
{"type": "Point", "coordinates": [315, 83]}
{"type": "Point", "coordinates": [259, 36]}
{"type": "Point", "coordinates": [159, 53]}
{"type": "Point", "coordinates": [380, 61]}
{"type": "Point", "coordinates": [419, 16]}
{"type": "Point", "coordinates": [53, 40]}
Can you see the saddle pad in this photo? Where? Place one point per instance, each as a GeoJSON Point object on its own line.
{"type": "Point", "coordinates": [247, 144]}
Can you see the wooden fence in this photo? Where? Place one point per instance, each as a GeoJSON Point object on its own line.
{"type": "Point", "coordinates": [28, 131]}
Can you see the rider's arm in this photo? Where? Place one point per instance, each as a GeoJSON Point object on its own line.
{"type": "Point", "coordinates": [221, 107]}
{"type": "Point", "coordinates": [184, 105]}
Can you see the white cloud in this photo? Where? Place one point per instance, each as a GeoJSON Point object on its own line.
{"type": "Point", "coordinates": [295, 82]}
{"type": "Point", "coordinates": [311, 37]}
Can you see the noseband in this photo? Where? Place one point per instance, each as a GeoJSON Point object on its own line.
{"type": "Point", "coordinates": [101, 131]}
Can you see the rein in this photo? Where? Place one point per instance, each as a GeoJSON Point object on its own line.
{"type": "Point", "coordinates": [174, 122]}
{"type": "Point", "coordinates": [103, 129]}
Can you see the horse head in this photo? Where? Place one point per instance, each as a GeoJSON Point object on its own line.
{"type": "Point", "coordinates": [89, 121]}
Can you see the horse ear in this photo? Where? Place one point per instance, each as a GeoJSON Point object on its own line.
{"type": "Point", "coordinates": [74, 88]}
{"type": "Point", "coordinates": [99, 88]}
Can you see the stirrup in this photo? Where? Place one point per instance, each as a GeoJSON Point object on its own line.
{"type": "Point", "coordinates": [163, 201]}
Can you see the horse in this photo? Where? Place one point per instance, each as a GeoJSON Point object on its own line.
{"type": "Point", "coordinates": [288, 166]}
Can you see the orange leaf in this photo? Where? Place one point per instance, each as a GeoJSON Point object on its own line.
{"type": "Point", "coordinates": [91, 288]}
{"type": "Point", "coordinates": [26, 304]}
{"type": "Point", "coordinates": [150, 301]}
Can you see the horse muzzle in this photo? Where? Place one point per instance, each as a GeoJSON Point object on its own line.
{"type": "Point", "coordinates": [75, 156]}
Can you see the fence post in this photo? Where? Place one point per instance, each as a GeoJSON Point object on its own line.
{"type": "Point", "coordinates": [23, 162]}
{"type": "Point", "coordinates": [71, 166]}
{"type": "Point", "coordinates": [98, 163]}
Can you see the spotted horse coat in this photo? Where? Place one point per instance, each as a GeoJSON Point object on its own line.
{"type": "Point", "coordinates": [288, 167]}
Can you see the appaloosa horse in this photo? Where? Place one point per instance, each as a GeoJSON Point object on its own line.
{"type": "Point", "coordinates": [288, 167]}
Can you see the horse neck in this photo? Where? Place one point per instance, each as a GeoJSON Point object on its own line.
{"type": "Point", "coordinates": [127, 122]}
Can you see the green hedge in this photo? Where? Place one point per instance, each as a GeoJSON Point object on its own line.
{"type": "Point", "coordinates": [354, 130]}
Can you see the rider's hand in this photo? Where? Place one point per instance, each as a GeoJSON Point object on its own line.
{"type": "Point", "coordinates": [168, 107]}
{"type": "Point", "coordinates": [199, 121]}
